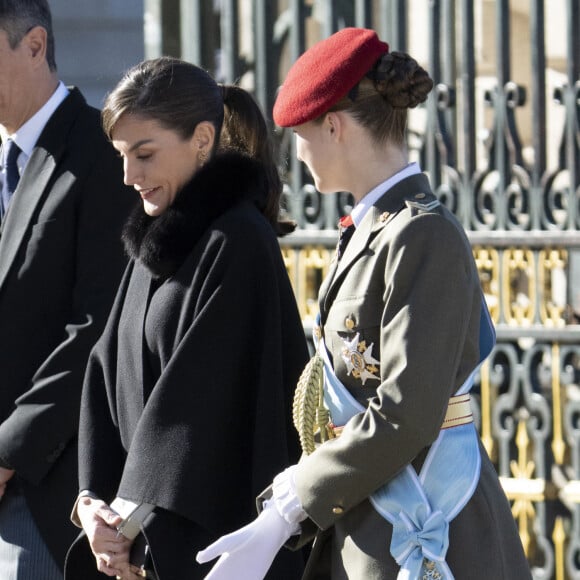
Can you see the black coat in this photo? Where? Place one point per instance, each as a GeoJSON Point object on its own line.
{"type": "Point", "coordinates": [188, 393]}
{"type": "Point", "coordinates": [61, 262]}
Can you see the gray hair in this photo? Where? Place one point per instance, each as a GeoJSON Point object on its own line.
{"type": "Point", "coordinates": [18, 17]}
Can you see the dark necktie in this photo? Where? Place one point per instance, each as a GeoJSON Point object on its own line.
{"type": "Point", "coordinates": [11, 175]}
{"type": "Point", "coordinates": [347, 227]}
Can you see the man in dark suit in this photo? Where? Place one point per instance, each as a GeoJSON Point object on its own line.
{"type": "Point", "coordinates": [63, 204]}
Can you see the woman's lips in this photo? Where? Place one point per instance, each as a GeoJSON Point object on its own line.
{"type": "Point", "coordinates": [145, 193]}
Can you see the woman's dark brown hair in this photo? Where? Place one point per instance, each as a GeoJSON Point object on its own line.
{"type": "Point", "coordinates": [180, 95]}
{"type": "Point", "coordinates": [245, 130]}
{"type": "Point", "coordinates": [176, 94]}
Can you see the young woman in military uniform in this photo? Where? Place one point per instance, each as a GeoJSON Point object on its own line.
{"type": "Point", "coordinates": [397, 483]}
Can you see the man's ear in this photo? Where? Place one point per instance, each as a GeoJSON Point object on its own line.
{"type": "Point", "coordinates": [35, 41]}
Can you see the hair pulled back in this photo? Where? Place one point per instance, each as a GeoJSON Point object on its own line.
{"type": "Point", "coordinates": [245, 131]}
{"type": "Point", "coordinates": [179, 96]}
{"type": "Point", "coordinates": [381, 100]}
{"type": "Point", "coordinates": [175, 93]}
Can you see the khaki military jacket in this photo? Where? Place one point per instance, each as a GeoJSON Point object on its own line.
{"type": "Point", "coordinates": [406, 296]}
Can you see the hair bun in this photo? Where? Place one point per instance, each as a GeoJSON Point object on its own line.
{"type": "Point", "coordinates": [401, 81]}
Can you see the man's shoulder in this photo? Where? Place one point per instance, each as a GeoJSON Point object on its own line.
{"type": "Point", "coordinates": [76, 109]}
{"type": "Point", "coordinates": [75, 130]}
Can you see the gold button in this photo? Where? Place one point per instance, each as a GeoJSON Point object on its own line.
{"type": "Point", "coordinates": [420, 196]}
{"type": "Point", "coordinates": [349, 322]}
{"type": "Point", "coordinates": [384, 216]}
{"type": "Point", "coordinates": [337, 509]}
{"type": "Point", "coordinates": [317, 331]}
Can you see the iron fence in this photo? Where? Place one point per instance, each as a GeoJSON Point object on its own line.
{"type": "Point", "coordinates": [500, 139]}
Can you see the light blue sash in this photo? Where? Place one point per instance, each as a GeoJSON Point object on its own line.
{"type": "Point", "coordinates": [420, 507]}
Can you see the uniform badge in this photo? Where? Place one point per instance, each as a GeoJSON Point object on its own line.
{"type": "Point", "coordinates": [359, 359]}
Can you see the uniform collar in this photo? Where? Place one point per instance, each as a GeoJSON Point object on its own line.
{"type": "Point", "coordinates": [362, 207]}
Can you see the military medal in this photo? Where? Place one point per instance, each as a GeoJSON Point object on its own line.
{"type": "Point", "coordinates": [359, 360]}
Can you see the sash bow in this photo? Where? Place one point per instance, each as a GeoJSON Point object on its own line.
{"type": "Point", "coordinates": [423, 536]}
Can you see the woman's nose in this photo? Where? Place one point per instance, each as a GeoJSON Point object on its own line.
{"type": "Point", "coordinates": [129, 173]}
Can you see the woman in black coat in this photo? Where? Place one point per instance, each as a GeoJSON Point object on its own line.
{"type": "Point", "coordinates": [185, 410]}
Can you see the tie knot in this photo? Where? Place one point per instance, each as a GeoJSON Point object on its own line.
{"type": "Point", "coordinates": [346, 231]}
{"type": "Point", "coordinates": [12, 151]}
{"type": "Point", "coordinates": [11, 175]}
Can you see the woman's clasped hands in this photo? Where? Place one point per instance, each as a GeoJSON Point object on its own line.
{"type": "Point", "coordinates": [110, 548]}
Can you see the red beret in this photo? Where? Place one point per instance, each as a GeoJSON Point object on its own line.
{"type": "Point", "coordinates": [325, 73]}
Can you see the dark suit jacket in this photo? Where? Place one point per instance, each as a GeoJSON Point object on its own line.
{"type": "Point", "coordinates": [60, 264]}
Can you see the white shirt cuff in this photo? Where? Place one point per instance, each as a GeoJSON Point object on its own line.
{"type": "Point", "coordinates": [286, 500]}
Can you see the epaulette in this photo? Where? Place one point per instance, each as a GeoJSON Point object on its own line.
{"type": "Point", "coordinates": [421, 202]}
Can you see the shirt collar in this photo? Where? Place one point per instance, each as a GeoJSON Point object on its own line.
{"type": "Point", "coordinates": [362, 207]}
{"type": "Point", "coordinates": [27, 135]}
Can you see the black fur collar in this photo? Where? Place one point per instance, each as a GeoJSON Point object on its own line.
{"type": "Point", "coordinates": [162, 243]}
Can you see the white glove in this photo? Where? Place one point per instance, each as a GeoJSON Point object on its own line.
{"type": "Point", "coordinates": [248, 553]}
